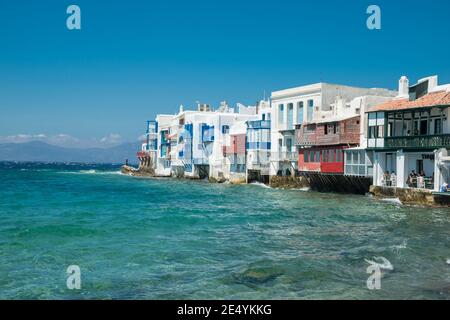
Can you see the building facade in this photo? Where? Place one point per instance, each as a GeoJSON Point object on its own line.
{"type": "Point", "coordinates": [311, 125]}
{"type": "Point", "coordinates": [410, 137]}
{"type": "Point", "coordinates": [258, 144]}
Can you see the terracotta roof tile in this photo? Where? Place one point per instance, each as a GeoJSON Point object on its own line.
{"type": "Point", "coordinates": [440, 98]}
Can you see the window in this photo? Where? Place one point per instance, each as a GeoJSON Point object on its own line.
{"type": "Point", "coordinates": [300, 112]}
{"type": "Point", "coordinates": [332, 155]}
{"type": "Point", "coordinates": [306, 156]}
{"type": "Point", "coordinates": [310, 110]}
{"type": "Point", "coordinates": [311, 156]}
{"type": "Point", "coordinates": [380, 132]}
{"type": "Point", "coordinates": [309, 129]}
{"type": "Point", "coordinates": [358, 164]}
{"type": "Point", "coordinates": [225, 129]}
{"type": "Point", "coordinates": [335, 128]}
{"type": "Point", "coordinates": [325, 129]}
{"type": "Point", "coordinates": [424, 127]}
{"type": "Point", "coordinates": [290, 115]}
{"type": "Point", "coordinates": [390, 129]}
{"type": "Point", "coordinates": [281, 114]}
{"type": "Point", "coordinates": [376, 132]}
{"type": "Point", "coordinates": [437, 126]}
{"type": "Point", "coordinates": [339, 155]}
{"type": "Point", "coordinates": [372, 132]}
{"type": "Point", "coordinates": [288, 144]}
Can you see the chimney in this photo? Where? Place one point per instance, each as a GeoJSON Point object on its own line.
{"type": "Point", "coordinates": [403, 88]}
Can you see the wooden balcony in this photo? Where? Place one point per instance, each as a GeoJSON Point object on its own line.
{"type": "Point", "coordinates": [418, 142]}
{"type": "Point", "coordinates": [345, 132]}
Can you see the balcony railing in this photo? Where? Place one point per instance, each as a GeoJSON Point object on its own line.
{"type": "Point", "coordinates": [200, 161]}
{"type": "Point", "coordinates": [259, 124]}
{"type": "Point", "coordinates": [284, 156]}
{"type": "Point", "coordinates": [418, 142]}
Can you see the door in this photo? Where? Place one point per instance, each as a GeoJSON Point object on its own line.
{"type": "Point", "coordinates": [419, 166]}
{"type": "Point", "coordinates": [424, 127]}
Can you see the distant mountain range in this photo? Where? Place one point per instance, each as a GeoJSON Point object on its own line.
{"type": "Point", "coordinates": [43, 152]}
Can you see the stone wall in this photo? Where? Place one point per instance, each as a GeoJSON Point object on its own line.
{"type": "Point", "coordinates": [410, 196]}
{"type": "Point", "coordinates": [289, 182]}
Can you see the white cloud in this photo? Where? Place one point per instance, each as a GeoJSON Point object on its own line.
{"type": "Point", "coordinates": [21, 138]}
{"type": "Point", "coordinates": [65, 140]}
{"type": "Point", "coordinates": [112, 138]}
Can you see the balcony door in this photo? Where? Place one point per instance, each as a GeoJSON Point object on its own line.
{"type": "Point", "coordinates": [424, 127]}
{"type": "Point", "coordinates": [290, 116]}
{"type": "Point", "coordinates": [310, 110]}
{"type": "Point", "coordinates": [288, 144]}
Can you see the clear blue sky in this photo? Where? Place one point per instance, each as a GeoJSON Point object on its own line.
{"type": "Point", "coordinates": [134, 59]}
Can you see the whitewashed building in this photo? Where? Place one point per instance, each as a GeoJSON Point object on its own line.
{"type": "Point", "coordinates": [201, 136]}
{"type": "Point", "coordinates": [258, 144]}
{"type": "Point", "coordinates": [410, 137]}
{"type": "Point", "coordinates": [296, 108]}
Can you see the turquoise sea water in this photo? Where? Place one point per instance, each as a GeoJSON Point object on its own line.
{"type": "Point", "coordinates": [175, 239]}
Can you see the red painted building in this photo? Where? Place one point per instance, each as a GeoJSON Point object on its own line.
{"type": "Point", "coordinates": [237, 146]}
{"type": "Point", "coordinates": [321, 144]}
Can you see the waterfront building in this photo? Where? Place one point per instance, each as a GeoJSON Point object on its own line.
{"type": "Point", "coordinates": [176, 149]}
{"type": "Point", "coordinates": [410, 137]}
{"type": "Point", "coordinates": [163, 161]}
{"type": "Point", "coordinates": [148, 154]}
{"type": "Point", "coordinates": [317, 121]}
{"type": "Point", "coordinates": [202, 136]}
{"type": "Point", "coordinates": [234, 153]}
{"type": "Point", "coordinates": [258, 144]}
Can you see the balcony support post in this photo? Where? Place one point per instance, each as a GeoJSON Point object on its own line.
{"type": "Point", "coordinates": [401, 169]}
{"type": "Point", "coordinates": [393, 126]}
{"type": "Point", "coordinates": [403, 123]}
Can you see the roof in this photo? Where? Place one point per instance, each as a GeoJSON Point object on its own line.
{"type": "Point", "coordinates": [335, 119]}
{"type": "Point", "coordinates": [434, 99]}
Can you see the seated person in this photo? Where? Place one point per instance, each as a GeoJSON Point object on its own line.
{"type": "Point", "coordinates": [421, 182]}
{"type": "Point", "coordinates": [386, 178]}
{"type": "Point", "coordinates": [393, 178]}
{"type": "Point", "coordinates": [411, 178]}
{"type": "Point", "coordinates": [444, 187]}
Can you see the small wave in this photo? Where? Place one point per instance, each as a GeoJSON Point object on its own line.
{"type": "Point", "coordinates": [448, 261]}
{"type": "Point", "coordinates": [88, 171]}
{"type": "Point", "coordinates": [400, 246]}
{"type": "Point", "coordinates": [92, 171]}
{"type": "Point", "coordinates": [259, 184]}
{"type": "Point", "coordinates": [392, 200]}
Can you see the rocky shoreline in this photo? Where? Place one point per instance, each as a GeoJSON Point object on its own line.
{"type": "Point", "coordinates": [406, 196]}
{"type": "Point", "coordinates": [136, 172]}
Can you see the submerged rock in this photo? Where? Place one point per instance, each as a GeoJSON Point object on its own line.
{"type": "Point", "coordinates": [255, 276]}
